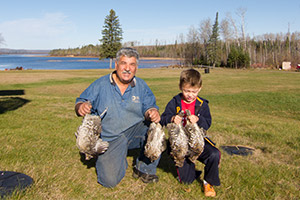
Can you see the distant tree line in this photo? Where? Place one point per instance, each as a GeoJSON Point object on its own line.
{"type": "Point", "coordinates": [216, 44]}
{"type": "Point", "coordinates": [88, 50]}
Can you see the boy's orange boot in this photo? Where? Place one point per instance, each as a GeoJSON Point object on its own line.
{"type": "Point", "coordinates": [209, 190]}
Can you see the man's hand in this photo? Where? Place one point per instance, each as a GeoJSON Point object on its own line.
{"type": "Point", "coordinates": [83, 108]}
{"type": "Point", "coordinates": [153, 115]}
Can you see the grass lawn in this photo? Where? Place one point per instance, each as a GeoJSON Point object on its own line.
{"type": "Point", "coordinates": [254, 108]}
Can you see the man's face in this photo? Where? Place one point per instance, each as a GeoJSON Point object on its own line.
{"type": "Point", "coordinates": [126, 69]}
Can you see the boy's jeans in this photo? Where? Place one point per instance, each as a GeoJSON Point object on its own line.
{"type": "Point", "coordinates": [111, 166]}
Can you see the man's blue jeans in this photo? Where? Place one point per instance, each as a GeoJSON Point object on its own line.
{"type": "Point", "coordinates": [111, 166]}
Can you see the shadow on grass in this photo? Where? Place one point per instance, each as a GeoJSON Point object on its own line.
{"type": "Point", "coordinates": [92, 162]}
{"type": "Point", "coordinates": [11, 103]}
{"type": "Point", "coordinates": [166, 163]}
{"type": "Point", "coordinates": [89, 163]}
{"type": "Point", "coordinates": [11, 92]}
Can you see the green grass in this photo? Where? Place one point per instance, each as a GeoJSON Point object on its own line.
{"type": "Point", "coordinates": [255, 108]}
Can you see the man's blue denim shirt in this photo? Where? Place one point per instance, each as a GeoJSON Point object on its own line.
{"type": "Point", "coordinates": [124, 111]}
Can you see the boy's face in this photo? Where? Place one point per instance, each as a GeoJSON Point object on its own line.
{"type": "Point", "coordinates": [189, 92]}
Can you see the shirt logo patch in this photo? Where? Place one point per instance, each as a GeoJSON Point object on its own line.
{"type": "Point", "coordinates": [135, 99]}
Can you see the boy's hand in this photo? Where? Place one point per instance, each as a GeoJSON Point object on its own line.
{"type": "Point", "coordinates": [176, 119]}
{"type": "Point", "coordinates": [193, 119]}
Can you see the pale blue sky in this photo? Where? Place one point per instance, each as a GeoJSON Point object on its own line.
{"type": "Point", "coordinates": [37, 24]}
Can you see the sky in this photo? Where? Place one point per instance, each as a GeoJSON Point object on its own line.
{"type": "Point", "coordinates": [46, 25]}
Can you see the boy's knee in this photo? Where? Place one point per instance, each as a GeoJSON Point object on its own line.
{"type": "Point", "coordinates": [215, 155]}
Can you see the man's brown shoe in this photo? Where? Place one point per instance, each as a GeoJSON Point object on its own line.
{"type": "Point", "coordinates": [146, 178]}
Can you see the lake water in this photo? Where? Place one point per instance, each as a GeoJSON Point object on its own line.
{"type": "Point", "coordinates": [66, 63]}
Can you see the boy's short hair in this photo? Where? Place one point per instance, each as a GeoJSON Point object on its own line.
{"type": "Point", "coordinates": [191, 77]}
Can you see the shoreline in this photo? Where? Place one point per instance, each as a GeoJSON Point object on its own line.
{"type": "Point", "coordinates": [141, 58]}
{"type": "Point", "coordinates": [72, 56]}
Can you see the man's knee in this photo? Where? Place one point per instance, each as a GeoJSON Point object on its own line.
{"type": "Point", "coordinates": [111, 166]}
{"type": "Point", "coordinates": [109, 181]}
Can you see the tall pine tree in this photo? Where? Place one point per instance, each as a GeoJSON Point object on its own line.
{"type": "Point", "coordinates": [213, 44]}
{"type": "Point", "coordinates": [111, 37]}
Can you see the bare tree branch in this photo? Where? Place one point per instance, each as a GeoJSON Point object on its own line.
{"type": "Point", "coordinates": [205, 30]}
{"type": "Point", "coordinates": [241, 12]}
{"type": "Point", "coordinates": [235, 29]}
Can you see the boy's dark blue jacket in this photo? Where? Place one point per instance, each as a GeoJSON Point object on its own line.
{"type": "Point", "coordinates": [201, 111]}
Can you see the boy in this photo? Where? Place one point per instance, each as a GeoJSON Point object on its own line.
{"type": "Point", "coordinates": [190, 85]}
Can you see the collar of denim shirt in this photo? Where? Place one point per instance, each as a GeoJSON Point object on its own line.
{"type": "Point", "coordinates": [112, 81]}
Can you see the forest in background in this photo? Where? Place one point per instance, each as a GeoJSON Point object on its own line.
{"type": "Point", "coordinates": [268, 50]}
{"type": "Point", "coordinates": [215, 44]}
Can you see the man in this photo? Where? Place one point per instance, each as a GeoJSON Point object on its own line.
{"type": "Point", "coordinates": [129, 101]}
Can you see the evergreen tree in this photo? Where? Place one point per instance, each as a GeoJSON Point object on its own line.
{"type": "Point", "coordinates": [244, 59]}
{"type": "Point", "coordinates": [237, 58]}
{"type": "Point", "coordinates": [213, 44]}
{"type": "Point", "coordinates": [111, 37]}
{"type": "Point", "coordinates": [233, 57]}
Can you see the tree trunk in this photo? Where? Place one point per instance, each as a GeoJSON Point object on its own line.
{"type": "Point", "coordinates": [110, 63]}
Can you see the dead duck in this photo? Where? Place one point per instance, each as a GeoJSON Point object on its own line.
{"type": "Point", "coordinates": [178, 142]}
{"type": "Point", "coordinates": [88, 138]}
{"type": "Point", "coordinates": [195, 139]}
{"type": "Point", "coordinates": [156, 141]}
